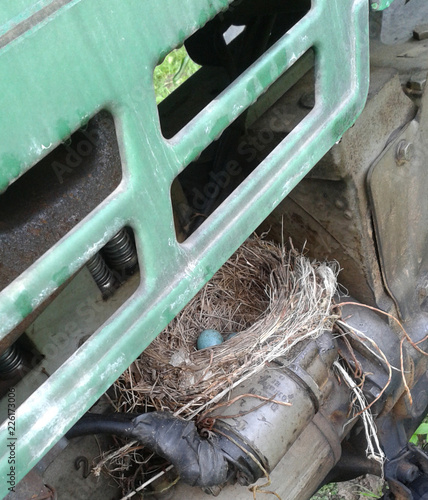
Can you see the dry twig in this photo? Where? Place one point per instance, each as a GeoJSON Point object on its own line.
{"type": "Point", "coordinates": [271, 298]}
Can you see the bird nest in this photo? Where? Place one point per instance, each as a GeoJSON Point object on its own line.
{"type": "Point", "coordinates": [269, 297]}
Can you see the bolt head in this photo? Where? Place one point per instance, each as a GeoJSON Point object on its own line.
{"type": "Point", "coordinates": [420, 32]}
{"type": "Point", "coordinates": [374, 391]}
{"type": "Point", "coordinates": [405, 152]}
{"type": "Point", "coordinates": [242, 479]}
{"type": "Point", "coordinates": [417, 82]}
{"type": "Point", "coordinates": [307, 100]}
{"type": "Point", "coordinates": [407, 472]}
{"type": "Point", "coordinates": [212, 490]}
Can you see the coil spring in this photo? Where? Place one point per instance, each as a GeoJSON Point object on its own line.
{"type": "Point", "coordinates": [120, 253]}
{"type": "Point", "coordinates": [102, 275]}
{"type": "Point", "coordinates": [10, 360]}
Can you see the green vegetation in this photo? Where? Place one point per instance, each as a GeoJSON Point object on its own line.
{"type": "Point", "coordinates": [176, 68]}
{"type": "Point", "coordinates": [420, 436]}
{"type": "Point", "coordinates": [364, 492]}
{"type": "Point", "coordinates": [326, 492]}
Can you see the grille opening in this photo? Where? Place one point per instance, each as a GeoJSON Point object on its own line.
{"type": "Point", "coordinates": [225, 47]}
{"type": "Point", "coordinates": [176, 68]}
{"type": "Point", "coordinates": [208, 181]}
{"type": "Point", "coordinates": [16, 361]}
{"type": "Point", "coordinates": [43, 205]}
{"type": "Point", "coordinates": [75, 314]}
{"type": "Point", "coordinates": [115, 263]}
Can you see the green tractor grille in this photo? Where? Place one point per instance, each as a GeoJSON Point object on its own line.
{"type": "Point", "coordinates": [64, 61]}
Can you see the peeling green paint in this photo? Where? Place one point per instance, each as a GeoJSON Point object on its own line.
{"type": "Point", "coordinates": [181, 36]}
{"type": "Point", "coordinates": [23, 304]}
{"type": "Point", "coordinates": [63, 129]}
{"type": "Point", "coordinates": [60, 276]}
{"type": "Point", "coordinates": [266, 79]}
{"type": "Point", "coordinates": [381, 4]}
{"type": "Point", "coordinates": [203, 17]}
{"type": "Point", "coordinates": [219, 126]}
{"type": "Point", "coordinates": [64, 73]}
{"type": "Point", "coordinates": [11, 169]}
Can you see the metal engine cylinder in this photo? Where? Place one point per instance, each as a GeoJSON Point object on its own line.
{"type": "Point", "coordinates": [266, 427]}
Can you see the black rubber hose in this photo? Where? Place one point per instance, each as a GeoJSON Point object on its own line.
{"type": "Point", "coordinates": [199, 461]}
{"type": "Point", "coordinates": [119, 424]}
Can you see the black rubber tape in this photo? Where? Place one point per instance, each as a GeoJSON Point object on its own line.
{"type": "Point", "coordinates": [199, 461]}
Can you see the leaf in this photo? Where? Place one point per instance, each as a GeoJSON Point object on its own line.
{"type": "Point", "coordinates": [422, 429]}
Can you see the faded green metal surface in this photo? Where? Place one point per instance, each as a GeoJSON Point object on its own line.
{"type": "Point", "coordinates": [14, 12]}
{"type": "Point", "coordinates": [94, 54]}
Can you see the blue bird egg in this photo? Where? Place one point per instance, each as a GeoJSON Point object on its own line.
{"type": "Point", "coordinates": [208, 338]}
{"type": "Point", "coordinates": [231, 335]}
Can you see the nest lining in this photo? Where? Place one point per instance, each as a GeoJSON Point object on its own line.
{"type": "Point", "coordinates": [271, 297]}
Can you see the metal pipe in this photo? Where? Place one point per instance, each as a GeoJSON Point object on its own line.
{"type": "Point", "coordinates": [270, 430]}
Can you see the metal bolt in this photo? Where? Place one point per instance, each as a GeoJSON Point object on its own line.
{"type": "Point", "coordinates": [417, 82]}
{"type": "Point", "coordinates": [420, 32]}
{"type": "Point", "coordinates": [212, 490]}
{"type": "Point", "coordinates": [405, 152]}
{"type": "Point", "coordinates": [307, 100]}
{"type": "Point", "coordinates": [242, 479]}
{"type": "Point", "coordinates": [374, 391]}
{"type": "Point", "coordinates": [407, 472]}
